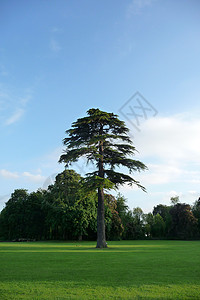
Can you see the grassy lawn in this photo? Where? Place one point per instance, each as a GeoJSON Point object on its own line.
{"type": "Point", "coordinates": [126, 270]}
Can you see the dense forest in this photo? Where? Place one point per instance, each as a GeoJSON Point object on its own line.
{"type": "Point", "coordinates": [67, 211]}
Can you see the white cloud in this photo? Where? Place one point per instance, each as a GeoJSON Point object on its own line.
{"type": "Point", "coordinates": [15, 117]}
{"type": "Point", "coordinates": [184, 197]}
{"type": "Point", "coordinates": [7, 174]}
{"type": "Point", "coordinates": [159, 174]}
{"type": "Point", "coordinates": [196, 181]}
{"type": "Point", "coordinates": [14, 175]}
{"type": "Point", "coordinates": [169, 146]}
{"type": "Point", "coordinates": [172, 139]}
{"type": "Point", "coordinates": [193, 193]}
{"type": "Point", "coordinates": [33, 177]}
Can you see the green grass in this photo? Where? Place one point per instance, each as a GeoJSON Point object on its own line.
{"type": "Point", "coordinates": [126, 270]}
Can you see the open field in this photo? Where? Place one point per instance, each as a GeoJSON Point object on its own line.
{"type": "Point", "coordinates": [126, 270]}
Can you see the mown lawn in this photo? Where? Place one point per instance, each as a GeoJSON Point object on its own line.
{"type": "Point", "coordinates": [126, 270]}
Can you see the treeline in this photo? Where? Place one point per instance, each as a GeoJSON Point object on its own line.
{"type": "Point", "coordinates": [68, 211]}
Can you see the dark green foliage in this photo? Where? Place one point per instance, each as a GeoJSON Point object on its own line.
{"type": "Point", "coordinates": [102, 129]}
{"type": "Point", "coordinates": [70, 211]}
{"type": "Point", "coordinates": [174, 200]}
{"type": "Point", "coordinates": [176, 221]}
{"type": "Point", "coordinates": [114, 226]}
{"type": "Point", "coordinates": [164, 212]}
{"type": "Point", "coordinates": [67, 211]}
{"type": "Point", "coordinates": [196, 213]}
{"type": "Point", "coordinates": [148, 224]}
{"type": "Point", "coordinates": [64, 212]}
{"type": "Point", "coordinates": [103, 139]}
{"type": "Point", "coordinates": [158, 226]}
{"type": "Point", "coordinates": [133, 224]}
{"type": "Point", "coordinates": [184, 224]}
{"type": "Point", "coordinates": [23, 216]}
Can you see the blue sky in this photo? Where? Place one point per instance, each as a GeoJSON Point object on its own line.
{"type": "Point", "coordinates": [60, 58]}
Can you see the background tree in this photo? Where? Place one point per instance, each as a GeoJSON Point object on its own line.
{"type": "Point", "coordinates": [196, 213]}
{"type": "Point", "coordinates": [158, 226]}
{"type": "Point", "coordinates": [103, 139]}
{"type": "Point", "coordinates": [34, 216]}
{"type": "Point", "coordinates": [14, 214]}
{"type": "Point", "coordinates": [23, 216]}
{"type": "Point", "coordinates": [138, 223]}
{"type": "Point", "coordinates": [129, 226]}
{"type": "Point", "coordinates": [133, 223]}
{"type": "Point", "coordinates": [184, 224]}
{"type": "Point", "coordinates": [148, 224]}
{"type": "Point", "coordinates": [174, 200]}
{"type": "Point", "coordinates": [122, 207]}
{"type": "Point", "coordinates": [164, 212]}
{"type": "Point", "coordinates": [70, 209]}
{"type": "Point", "coordinates": [114, 226]}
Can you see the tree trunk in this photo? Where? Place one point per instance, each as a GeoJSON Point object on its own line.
{"type": "Point", "coordinates": [101, 236]}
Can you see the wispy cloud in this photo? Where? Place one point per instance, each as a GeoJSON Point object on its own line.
{"type": "Point", "coordinates": [13, 104]}
{"type": "Point", "coordinates": [24, 175]}
{"type": "Point", "coordinates": [7, 174]}
{"type": "Point", "coordinates": [15, 117]}
{"type": "Point", "coordinates": [14, 180]}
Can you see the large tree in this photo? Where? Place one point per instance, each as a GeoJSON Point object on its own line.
{"type": "Point", "coordinates": [103, 139]}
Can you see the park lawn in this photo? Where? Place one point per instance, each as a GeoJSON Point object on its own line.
{"type": "Point", "coordinates": [76, 270]}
